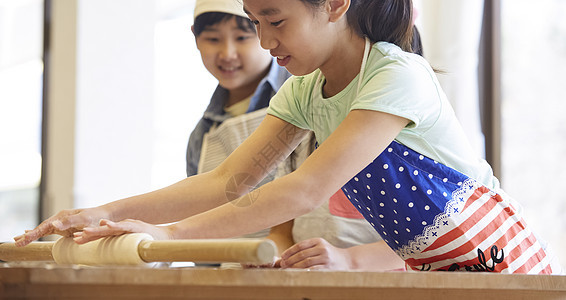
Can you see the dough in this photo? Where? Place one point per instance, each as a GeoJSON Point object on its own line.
{"type": "Point", "coordinates": [117, 250]}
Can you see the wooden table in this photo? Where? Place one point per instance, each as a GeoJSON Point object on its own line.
{"type": "Point", "coordinates": [73, 282]}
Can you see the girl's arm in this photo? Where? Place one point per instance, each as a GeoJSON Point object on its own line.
{"type": "Point", "coordinates": [236, 176]}
{"type": "Point", "coordinates": [357, 141]}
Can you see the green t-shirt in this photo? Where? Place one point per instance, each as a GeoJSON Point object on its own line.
{"type": "Point", "coordinates": [395, 82]}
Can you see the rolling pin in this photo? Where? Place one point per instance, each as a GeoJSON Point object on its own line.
{"type": "Point", "coordinates": [141, 249]}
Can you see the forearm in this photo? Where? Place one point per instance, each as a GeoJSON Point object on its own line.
{"type": "Point", "coordinates": [374, 257]}
{"type": "Point", "coordinates": [185, 198]}
{"type": "Point", "coordinates": [282, 236]}
{"type": "Point", "coordinates": [273, 203]}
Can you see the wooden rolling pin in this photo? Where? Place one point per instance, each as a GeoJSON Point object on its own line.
{"type": "Point", "coordinates": [138, 249]}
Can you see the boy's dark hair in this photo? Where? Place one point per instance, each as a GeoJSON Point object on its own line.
{"type": "Point", "coordinates": [212, 18]}
{"type": "Point", "coordinates": [382, 21]}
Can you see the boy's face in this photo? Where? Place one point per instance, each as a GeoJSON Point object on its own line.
{"type": "Point", "coordinates": [233, 56]}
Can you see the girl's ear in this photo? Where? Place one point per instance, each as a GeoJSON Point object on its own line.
{"type": "Point", "coordinates": [337, 9]}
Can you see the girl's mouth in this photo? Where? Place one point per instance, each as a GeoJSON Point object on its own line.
{"type": "Point", "coordinates": [283, 60]}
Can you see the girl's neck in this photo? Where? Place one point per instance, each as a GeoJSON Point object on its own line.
{"type": "Point", "coordinates": [343, 65]}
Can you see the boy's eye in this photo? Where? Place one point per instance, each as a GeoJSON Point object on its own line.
{"type": "Point", "coordinates": [212, 40]}
{"type": "Point", "coordinates": [242, 38]}
{"type": "Point", "coordinates": [255, 22]}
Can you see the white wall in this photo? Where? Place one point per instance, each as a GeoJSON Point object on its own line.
{"type": "Point", "coordinates": [451, 35]}
{"type": "Point", "coordinates": [182, 92]}
{"type": "Point", "coordinates": [21, 75]}
{"type": "Point", "coordinates": [21, 71]}
{"type": "Point", "coordinates": [100, 101]}
{"type": "Point", "coordinates": [127, 87]}
{"type": "Point", "coordinates": [451, 32]}
{"type": "Point", "coordinates": [115, 92]}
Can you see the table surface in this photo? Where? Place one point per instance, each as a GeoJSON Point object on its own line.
{"type": "Point", "coordinates": [49, 281]}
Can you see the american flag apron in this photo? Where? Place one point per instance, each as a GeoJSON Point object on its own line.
{"type": "Point", "coordinates": [438, 219]}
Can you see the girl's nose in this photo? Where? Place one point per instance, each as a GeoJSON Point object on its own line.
{"type": "Point", "coordinates": [266, 39]}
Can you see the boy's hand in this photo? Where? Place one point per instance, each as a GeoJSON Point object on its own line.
{"type": "Point", "coordinates": [274, 265]}
{"type": "Point", "coordinates": [64, 223]}
{"type": "Point", "coordinates": [315, 253]}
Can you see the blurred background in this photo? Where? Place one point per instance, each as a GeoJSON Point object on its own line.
{"type": "Point", "coordinates": [98, 98]}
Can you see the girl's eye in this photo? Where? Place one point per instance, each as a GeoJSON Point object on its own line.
{"type": "Point", "coordinates": [255, 22]}
{"type": "Point", "coordinates": [276, 23]}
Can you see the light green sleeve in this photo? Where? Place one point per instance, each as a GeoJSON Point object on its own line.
{"type": "Point", "coordinates": [402, 87]}
{"type": "Point", "coordinates": [290, 103]}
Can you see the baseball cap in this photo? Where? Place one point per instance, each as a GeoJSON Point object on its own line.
{"type": "Point", "coordinates": [234, 7]}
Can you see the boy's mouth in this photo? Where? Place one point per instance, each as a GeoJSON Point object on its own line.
{"type": "Point", "coordinates": [228, 69]}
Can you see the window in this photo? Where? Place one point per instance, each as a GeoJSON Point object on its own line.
{"type": "Point", "coordinates": [21, 76]}
{"type": "Point", "coordinates": [533, 113]}
{"type": "Point", "coordinates": [125, 98]}
{"type": "Point", "coordinates": [183, 88]}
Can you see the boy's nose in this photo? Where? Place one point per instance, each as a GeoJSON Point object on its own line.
{"type": "Point", "coordinates": [228, 51]}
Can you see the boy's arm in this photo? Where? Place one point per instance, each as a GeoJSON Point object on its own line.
{"type": "Point", "coordinates": [282, 236]}
{"type": "Point", "coordinates": [317, 253]}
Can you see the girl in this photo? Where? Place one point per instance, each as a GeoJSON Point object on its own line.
{"type": "Point", "coordinates": [387, 136]}
{"type": "Point", "coordinates": [247, 79]}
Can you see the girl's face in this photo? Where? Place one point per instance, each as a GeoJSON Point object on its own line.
{"type": "Point", "coordinates": [233, 56]}
{"type": "Point", "coordinates": [298, 35]}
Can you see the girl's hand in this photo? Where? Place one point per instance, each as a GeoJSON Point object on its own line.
{"type": "Point", "coordinates": [315, 253]}
{"type": "Point", "coordinates": [64, 223]}
{"type": "Point", "coordinates": [109, 228]}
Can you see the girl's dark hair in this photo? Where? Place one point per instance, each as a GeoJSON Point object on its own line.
{"type": "Point", "coordinates": [382, 21]}
{"type": "Point", "coordinates": [212, 18]}
{"type": "Point", "coordinates": [417, 44]}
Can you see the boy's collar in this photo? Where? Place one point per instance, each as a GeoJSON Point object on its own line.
{"type": "Point", "coordinates": [271, 82]}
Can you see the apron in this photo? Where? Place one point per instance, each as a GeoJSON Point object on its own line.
{"type": "Point", "coordinates": [223, 139]}
{"type": "Point", "coordinates": [438, 219]}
